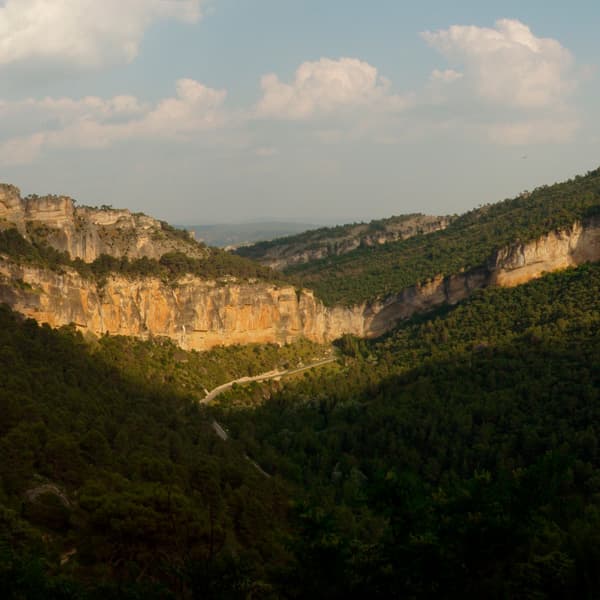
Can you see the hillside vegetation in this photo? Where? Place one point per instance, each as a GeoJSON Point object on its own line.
{"type": "Point", "coordinates": [470, 240]}
{"type": "Point", "coordinates": [341, 239]}
{"type": "Point", "coordinates": [106, 460]}
{"type": "Point", "coordinates": [457, 457]}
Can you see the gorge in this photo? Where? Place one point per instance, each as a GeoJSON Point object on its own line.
{"type": "Point", "coordinates": [198, 313]}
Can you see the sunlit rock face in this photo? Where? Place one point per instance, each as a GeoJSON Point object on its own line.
{"type": "Point", "coordinates": [556, 250]}
{"type": "Point", "coordinates": [199, 314]}
{"type": "Point", "coordinates": [85, 232]}
{"type": "Point", "coordinates": [11, 207]}
{"type": "Point", "coordinates": [513, 265]}
{"type": "Point", "coordinates": [196, 313]}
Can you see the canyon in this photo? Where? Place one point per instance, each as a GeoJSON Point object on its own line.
{"type": "Point", "coordinates": [199, 314]}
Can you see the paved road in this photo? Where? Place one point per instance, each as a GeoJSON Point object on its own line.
{"type": "Point", "coordinates": [262, 377]}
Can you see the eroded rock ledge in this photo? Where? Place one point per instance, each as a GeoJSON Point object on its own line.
{"type": "Point", "coordinates": [200, 314]}
{"type": "Point", "coordinates": [86, 233]}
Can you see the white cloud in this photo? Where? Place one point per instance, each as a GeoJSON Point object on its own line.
{"type": "Point", "coordinates": [508, 65]}
{"type": "Point", "coordinates": [513, 87]}
{"type": "Point", "coordinates": [82, 33]}
{"type": "Point", "coordinates": [325, 86]}
{"type": "Point", "coordinates": [21, 151]}
{"type": "Point", "coordinates": [96, 123]}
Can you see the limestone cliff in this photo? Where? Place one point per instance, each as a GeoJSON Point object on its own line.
{"type": "Point", "coordinates": [86, 233]}
{"type": "Point", "coordinates": [513, 265]}
{"type": "Point", "coordinates": [199, 314]}
{"type": "Point", "coordinates": [196, 313]}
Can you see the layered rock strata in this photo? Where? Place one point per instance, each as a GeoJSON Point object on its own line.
{"type": "Point", "coordinates": [86, 233]}
{"type": "Point", "coordinates": [200, 314]}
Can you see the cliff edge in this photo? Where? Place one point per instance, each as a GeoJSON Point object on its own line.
{"type": "Point", "coordinates": [86, 233]}
{"type": "Point", "coordinates": [199, 314]}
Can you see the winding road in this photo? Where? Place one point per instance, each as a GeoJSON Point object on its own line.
{"type": "Point", "coordinates": [262, 377]}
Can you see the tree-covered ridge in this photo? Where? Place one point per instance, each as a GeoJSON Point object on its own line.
{"type": "Point", "coordinates": [457, 458]}
{"type": "Point", "coordinates": [470, 240]}
{"type": "Point", "coordinates": [170, 266]}
{"type": "Point", "coordinates": [316, 236]}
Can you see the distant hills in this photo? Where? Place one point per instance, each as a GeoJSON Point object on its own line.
{"type": "Point", "coordinates": [334, 241]}
{"type": "Point", "coordinates": [226, 235]}
{"type": "Point", "coordinates": [471, 240]}
{"type": "Point", "coordinates": [456, 456]}
{"type": "Point", "coordinates": [111, 271]}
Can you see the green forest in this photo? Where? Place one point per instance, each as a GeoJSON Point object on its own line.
{"type": "Point", "coordinates": [469, 241]}
{"type": "Point", "coordinates": [314, 237]}
{"type": "Point", "coordinates": [458, 457]}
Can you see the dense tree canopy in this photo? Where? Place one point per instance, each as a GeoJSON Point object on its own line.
{"type": "Point", "coordinates": [458, 457]}
{"type": "Point", "coordinates": [469, 241]}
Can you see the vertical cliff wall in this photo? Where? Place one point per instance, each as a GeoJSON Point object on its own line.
{"type": "Point", "coordinates": [196, 313]}
{"type": "Point", "coordinates": [199, 314]}
{"type": "Point", "coordinates": [513, 265]}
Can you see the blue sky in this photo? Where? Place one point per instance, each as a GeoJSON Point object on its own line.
{"type": "Point", "coordinates": [234, 110]}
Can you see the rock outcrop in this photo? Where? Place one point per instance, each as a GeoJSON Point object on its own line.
{"type": "Point", "coordinates": [196, 313]}
{"type": "Point", "coordinates": [200, 314]}
{"type": "Point", "coordinates": [86, 233]}
{"type": "Point", "coordinates": [321, 243]}
{"type": "Point", "coordinates": [556, 250]}
{"type": "Point", "coordinates": [513, 265]}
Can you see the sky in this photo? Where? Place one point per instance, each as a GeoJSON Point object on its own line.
{"type": "Point", "coordinates": [207, 111]}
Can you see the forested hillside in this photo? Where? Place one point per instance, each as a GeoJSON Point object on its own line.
{"type": "Point", "coordinates": [341, 239]}
{"type": "Point", "coordinates": [469, 241]}
{"type": "Point", "coordinates": [458, 457]}
{"type": "Point", "coordinates": [111, 473]}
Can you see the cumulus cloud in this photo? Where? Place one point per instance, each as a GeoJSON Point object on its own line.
{"type": "Point", "coordinates": [325, 86]}
{"type": "Point", "coordinates": [518, 85]}
{"type": "Point", "coordinates": [82, 33]}
{"type": "Point", "coordinates": [96, 123]}
{"type": "Point", "coordinates": [508, 65]}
